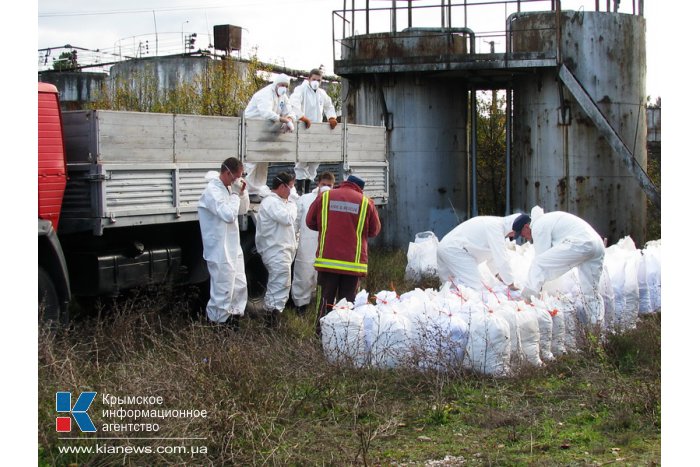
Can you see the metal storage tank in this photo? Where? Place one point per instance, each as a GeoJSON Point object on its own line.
{"type": "Point", "coordinates": [561, 161]}
{"type": "Point", "coordinates": [427, 138]}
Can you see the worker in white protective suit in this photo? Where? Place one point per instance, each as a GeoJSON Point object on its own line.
{"type": "Point", "coordinates": [222, 201]}
{"type": "Point", "coordinates": [563, 241]}
{"type": "Point", "coordinates": [275, 240]}
{"type": "Point", "coordinates": [304, 280]}
{"type": "Point", "coordinates": [271, 103]}
{"type": "Point", "coordinates": [310, 103]}
{"type": "Point", "coordinates": [477, 240]}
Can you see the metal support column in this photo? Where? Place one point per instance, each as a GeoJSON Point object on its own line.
{"type": "Point", "coordinates": [473, 123]}
{"type": "Point", "coordinates": [509, 126]}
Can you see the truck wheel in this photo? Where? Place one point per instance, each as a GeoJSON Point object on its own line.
{"type": "Point", "coordinates": [256, 276]}
{"type": "Point", "coordinates": [49, 302]}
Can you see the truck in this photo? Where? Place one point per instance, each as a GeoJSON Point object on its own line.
{"type": "Point", "coordinates": [118, 193]}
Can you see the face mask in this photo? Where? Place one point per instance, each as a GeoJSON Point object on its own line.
{"type": "Point", "coordinates": [314, 84]}
{"type": "Point", "coordinates": [281, 91]}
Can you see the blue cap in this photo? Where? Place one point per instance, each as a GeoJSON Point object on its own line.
{"type": "Point", "coordinates": [357, 181]}
{"type": "Point", "coordinates": [519, 223]}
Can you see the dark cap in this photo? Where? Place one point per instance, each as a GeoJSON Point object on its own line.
{"type": "Point", "coordinates": [357, 181]}
{"type": "Point", "coordinates": [519, 223]}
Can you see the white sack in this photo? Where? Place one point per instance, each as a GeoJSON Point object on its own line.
{"type": "Point", "coordinates": [487, 350]}
{"type": "Point", "coordinates": [529, 330]}
{"type": "Point", "coordinates": [342, 335]}
{"type": "Point", "coordinates": [387, 336]}
{"type": "Point", "coordinates": [422, 257]}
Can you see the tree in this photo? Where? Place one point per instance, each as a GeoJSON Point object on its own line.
{"type": "Point", "coordinates": [223, 89]}
{"type": "Point", "coordinates": [66, 61]}
{"type": "Point", "coordinates": [491, 151]}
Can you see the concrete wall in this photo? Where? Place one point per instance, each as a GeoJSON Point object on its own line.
{"type": "Point", "coordinates": [168, 71]}
{"type": "Point", "coordinates": [75, 88]}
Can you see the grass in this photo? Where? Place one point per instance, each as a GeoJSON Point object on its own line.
{"type": "Point", "coordinates": [272, 398]}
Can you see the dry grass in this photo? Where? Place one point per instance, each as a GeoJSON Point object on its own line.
{"type": "Point", "coordinates": [273, 399]}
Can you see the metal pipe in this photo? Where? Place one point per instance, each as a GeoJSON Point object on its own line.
{"type": "Point", "coordinates": [352, 19]}
{"type": "Point", "coordinates": [388, 117]}
{"type": "Point", "coordinates": [393, 16]}
{"type": "Point", "coordinates": [442, 13]}
{"type": "Point", "coordinates": [472, 103]}
{"type": "Point", "coordinates": [410, 13]}
{"type": "Point", "coordinates": [366, 16]}
{"type": "Point", "coordinates": [558, 21]}
{"type": "Point", "coordinates": [467, 31]}
{"type": "Point", "coordinates": [449, 13]}
{"type": "Point", "coordinates": [509, 123]}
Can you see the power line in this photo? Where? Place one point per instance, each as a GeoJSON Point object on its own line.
{"type": "Point", "coordinates": [121, 12]}
{"type": "Point", "coordinates": [150, 10]}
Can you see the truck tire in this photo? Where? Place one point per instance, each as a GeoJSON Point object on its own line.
{"type": "Point", "coordinates": [49, 302]}
{"type": "Point", "coordinates": [256, 276]}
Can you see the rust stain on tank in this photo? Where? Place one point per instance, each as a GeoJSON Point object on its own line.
{"type": "Point", "coordinates": [383, 46]}
{"type": "Point", "coordinates": [561, 189]}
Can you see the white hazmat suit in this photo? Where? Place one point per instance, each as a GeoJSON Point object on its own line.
{"type": "Point", "coordinates": [275, 240]}
{"type": "Point", "coordinates": [563, 241]}
{"type": "Point", "coordinates": [313, 105]}
{"type": "Point", "coordinates": [218, 212]}
{"type": "Point", "coordinates": [474, 241]}
{"type": "Point", "coordinates": [266, 104]}
{"type": "Point", "coordinates": [304, 280]}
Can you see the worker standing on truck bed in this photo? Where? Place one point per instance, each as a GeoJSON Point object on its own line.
{"type": "Point", "coordinates": [270, 103]}
{"type": "Point", "coordinates": [310, 103]}
{"type": "Point", "coordinates": [276, 242]}
{"type": "Point", "coordinates": [224, 198]}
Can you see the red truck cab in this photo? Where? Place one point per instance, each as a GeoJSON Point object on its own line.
{"type": "Point", "coordinates": [54, 285]}
{"type": "Point", "coordinates": [52, 163]}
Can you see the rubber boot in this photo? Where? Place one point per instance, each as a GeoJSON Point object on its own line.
{"type": "Point", "coordinates": [272, 319]}
{"type": "Point", "coordinates": [234, 322]}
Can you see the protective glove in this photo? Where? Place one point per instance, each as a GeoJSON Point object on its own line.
{"type": "Point", "coordinates": [527, 294]}
{"type": "Point", "coordinates": [306, 121]}
{"type": "Point", "coordinates": [288, 127]}
{"type": "Point", "coordinates": [332, 122]}
{"type": "Point", "coordinates": [239, 186]}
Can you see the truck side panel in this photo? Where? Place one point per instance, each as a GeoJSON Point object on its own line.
{"type": "Point", "coordinates": [134, 168]}
{"type": "Point", "coordinates": [206, 139]}
{"type": "Point", "coordinates": [366, 157]}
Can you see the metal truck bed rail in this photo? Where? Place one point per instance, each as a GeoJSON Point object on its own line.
{"type": "Point", "coordinates": [136, 168]}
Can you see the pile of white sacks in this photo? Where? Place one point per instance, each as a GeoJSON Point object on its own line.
{"type": "Point", "coordinates": [491, 331]}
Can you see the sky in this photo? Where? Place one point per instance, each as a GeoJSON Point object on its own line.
{"type": "Point", "coordinates": [297, 34]}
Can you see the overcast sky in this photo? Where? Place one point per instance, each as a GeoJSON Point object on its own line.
{"type": "Point", "coordinates": [297, 34]}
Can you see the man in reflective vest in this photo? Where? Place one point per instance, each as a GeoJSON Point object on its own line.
{"type": "Point", "coordinates": [344, 218]}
